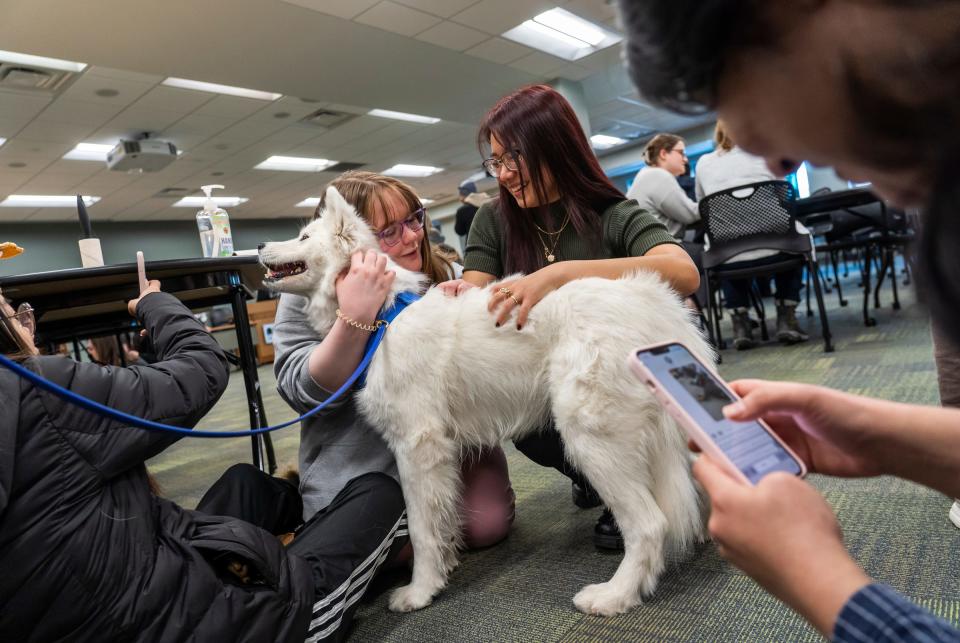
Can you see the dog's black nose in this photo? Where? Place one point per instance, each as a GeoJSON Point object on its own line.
{"type": "Point", "coordinates": [260, 246]}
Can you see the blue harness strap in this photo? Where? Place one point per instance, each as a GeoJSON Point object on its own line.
{"type": "Point", "coordinates": [403, 300]}
{"type": "Point", "coordinates": [387, 316]}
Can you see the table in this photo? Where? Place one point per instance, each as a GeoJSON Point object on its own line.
{"type": "Point", "coordinates": [874, 212]}
{"type": "Point", "coordinates": [86, 302]}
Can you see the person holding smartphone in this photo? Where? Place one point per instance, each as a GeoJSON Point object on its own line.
{"type": "Point", "coordinates": [867, 87]}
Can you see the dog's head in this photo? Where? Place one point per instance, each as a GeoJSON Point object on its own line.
{"type": "Point", "coordinates": [321, 250]}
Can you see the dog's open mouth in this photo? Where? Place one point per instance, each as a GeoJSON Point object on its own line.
{"type": "Point", "coordinates": [276, 272]}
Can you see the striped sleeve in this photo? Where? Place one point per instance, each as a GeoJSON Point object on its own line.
{"type": "Point", "coordinates": [878, 614]}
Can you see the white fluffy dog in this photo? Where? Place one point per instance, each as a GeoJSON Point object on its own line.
{"type": "Point", "coordinates": [446, 378]}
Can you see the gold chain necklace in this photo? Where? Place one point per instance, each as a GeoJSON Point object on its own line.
{"type": "Point", "coordinates": [548, 253]}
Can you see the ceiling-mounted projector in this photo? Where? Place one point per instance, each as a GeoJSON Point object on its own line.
{"type": "Point", "coordinates": [145, 155]}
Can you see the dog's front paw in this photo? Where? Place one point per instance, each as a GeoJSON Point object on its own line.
{"type": "Point", "coordinates": [409, 598]}
{"type": "Point", "coordinates": [603, 600]}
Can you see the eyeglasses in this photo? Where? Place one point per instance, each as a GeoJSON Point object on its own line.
{"type": "Point", "coordinates": [392, 234]}
{"type": "Point", "coordinates": [24, 316]}
{"type": "Point", "coordinates": [683, 153]}
{"type": "Point", "coordinates": [509, 160]}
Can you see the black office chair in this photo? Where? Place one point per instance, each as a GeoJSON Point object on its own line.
{"type": "Point", "coordinates": [758, 216]}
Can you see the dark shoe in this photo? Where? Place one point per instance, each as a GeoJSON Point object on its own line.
{"type": "Point", "coordinates": [606, 533]}
{"type": "Point", "coordinates": [584, 496]}
{"type": "Point", "coordinates": [742, 333]}
{"type": "Point", "coordinates": [788, 329]}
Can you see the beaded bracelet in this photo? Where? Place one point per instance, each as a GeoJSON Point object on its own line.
{"type": "Point", "coordinates": [370, 328]}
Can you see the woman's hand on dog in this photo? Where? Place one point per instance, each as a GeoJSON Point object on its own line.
{"type": "Point", "coordinates": [524, 294]}
{"type": "Point", "coordinates": [362, 288]}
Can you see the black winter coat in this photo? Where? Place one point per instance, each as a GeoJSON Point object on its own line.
{"type": "Point", "coordinates": [87, 553]}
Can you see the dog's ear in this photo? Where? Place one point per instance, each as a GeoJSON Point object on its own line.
{"type": "Point", "coordinates": [343, 221]}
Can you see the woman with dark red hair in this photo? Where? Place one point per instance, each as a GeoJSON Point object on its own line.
{"type": "Point", "coordinates": [558, 218]}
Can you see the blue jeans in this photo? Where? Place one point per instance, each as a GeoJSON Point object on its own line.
{"type": "Point", "coordinates": [736, 292]}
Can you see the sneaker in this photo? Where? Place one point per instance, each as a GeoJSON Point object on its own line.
{"type": "Point", "coordinates": [955, 514]}
{"type": "Point", "coordinates": [742, 332]}
{"type": "Point", "coordinates": [788, 328]}
{"type": "Point", "coordinates": [584, 496]}
{"type": "Point", "coordinates": [606, 533]}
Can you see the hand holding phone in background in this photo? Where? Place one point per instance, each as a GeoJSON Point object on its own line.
{"type": "Point", "coordinates": [141, 272]}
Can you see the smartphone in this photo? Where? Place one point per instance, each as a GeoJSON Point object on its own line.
{"type": "Point", "coordinates": [694, 395]}
{"type": "Point", "coordinates": [141, 272]}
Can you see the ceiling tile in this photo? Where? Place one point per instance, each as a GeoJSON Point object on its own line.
{"type": "Point", "coordinates": [20, 104]}
{"type": "Point", "coordinates": [442, 8]}
{"type": "Point", "coordinates": [497, 16]}
{"type": "Point", "coordinates": [598, 11]}
{"type": "Point", "coordinates": [230, 107]}
{"type": "Point", "coordinates": [538, 63]}
{"type": "Point", "coordinates": [21, 147]}
{"type": "Point", "coordinates": [122, 74]}
{"type": "Point", "coordinates": [499, 50]}
{"type": "Point", "coordinates": [52, 214]}
{"type": "Point", "coordinates": [64, 110]}
{"type": "Point", "coordinates": [397, 18]}
{"type": "Point", "coordinates": [452, 36]}
{"type": "Point", "coordinates": [136, 120]}
{"type": "Point", "coordinates": [173, 99]}
{"type": "Point", "coordinates": [56, 132]}
{"type": "Point", "coordinates": [340, 8]}
{"type": "Point", "coordinates": [86, 87]}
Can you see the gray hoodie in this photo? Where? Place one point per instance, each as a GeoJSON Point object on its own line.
{"type": "Point", "coordinates": [337, 444]}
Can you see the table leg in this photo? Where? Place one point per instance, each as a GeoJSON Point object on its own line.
{"type": "Point", "coordinates": [262, 444]}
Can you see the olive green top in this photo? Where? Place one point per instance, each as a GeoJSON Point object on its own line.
{"type": "Point", "coordinates": [628, 231]}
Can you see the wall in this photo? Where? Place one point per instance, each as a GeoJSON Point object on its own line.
{"type": "Point", "coordinates": [53, 246]}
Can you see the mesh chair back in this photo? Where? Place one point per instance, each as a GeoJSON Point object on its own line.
{"type": "Point", "coordinates": [763, 208]}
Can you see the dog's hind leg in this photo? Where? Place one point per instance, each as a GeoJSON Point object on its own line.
{"type": "Point", "coordinates": [604, 447]}
{"type": "Point", "coordinates": [429, 469]}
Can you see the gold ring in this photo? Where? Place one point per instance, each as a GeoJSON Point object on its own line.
{"type": "Point", "coordinates": [514, 298]}
{"type": "Point", "coordinates": [505, 291]}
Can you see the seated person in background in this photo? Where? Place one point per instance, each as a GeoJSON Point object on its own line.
{"type": "Point", "coordinates": [860, 86]}
{"type": "Point", "coordinates": [81, 531]}
{"type": "Point", "coordinates": [338, 444]}
{"type": "Point", "coordinates": [727, 167]}
{"type": "Point", "coordinates": [656, 189]}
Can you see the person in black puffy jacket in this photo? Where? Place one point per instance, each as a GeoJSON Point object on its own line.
{"type": "Point", "coordinates": [88, 553]}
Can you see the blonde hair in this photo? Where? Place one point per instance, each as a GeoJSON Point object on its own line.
{"type": "Point", "coordinates": [363, 189]}
{"type": "Point", "coordinates": [721, 137]}
{"type": "Point", "coordinates": [657, 144]}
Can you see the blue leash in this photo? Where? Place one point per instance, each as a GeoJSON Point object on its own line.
{"type": "Point", "coordinates": [403, 300]}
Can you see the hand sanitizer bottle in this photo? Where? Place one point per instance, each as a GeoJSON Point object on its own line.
{"type": "Point", "coordinates": [214, 225]}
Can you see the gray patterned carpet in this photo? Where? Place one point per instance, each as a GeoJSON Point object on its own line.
{"type": "Point", "coordinates": [521, 590]}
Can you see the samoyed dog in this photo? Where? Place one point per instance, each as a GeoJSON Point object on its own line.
{"type": "Point", "coordinates": [445, 378]}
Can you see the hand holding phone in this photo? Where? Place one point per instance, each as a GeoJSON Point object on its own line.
{"type": "Point", "coordinates": [141, 272]}
{"type": "Point", "coordinates": [695, 396]}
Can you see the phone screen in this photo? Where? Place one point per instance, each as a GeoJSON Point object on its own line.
{"type": "Point", "coordinates": [748, 445]}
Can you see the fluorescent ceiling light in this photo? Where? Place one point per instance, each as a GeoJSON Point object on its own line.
{"type": "Point", "coordinates": [45, 201]}
{"type": "Point", "coordinates": [89, 152]}
{"type": "Point", "coordinates": [602, 141]}
{"type": "Point", "coordinates": [803, 181]}
{"type": "Point", "coordinates": [403, 169]}
{"type": "Point", "coordinates": [403, 116]}
{"type": "Point", "coordinates": [563, 34]}
{"type": "Point", "coordinates": [213, 88]}
{"type": "Point", "coordinates": [40, 61]}
{"type": "Point", "coordinates": [199, 201]}
{"type": "Point", "coordinates": [572, 25]}
{"type": "Point", "coordinates": [2, 140]}
{"type": "Point", "coordinates": [425, 201]}
{"type": "Point", "coordinates": [310, 202]}
{"type": "Point", "coordinates": [294, 164]}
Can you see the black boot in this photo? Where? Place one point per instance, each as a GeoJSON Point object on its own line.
{"type": "Point", "coordinates": [788, 329]}
{"type": "Point", "coordinates": [742, 332]}
{"type": "Point", "coordinates": [606, 533]}
{"type": "Point", "coordinates": [584, 496]}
